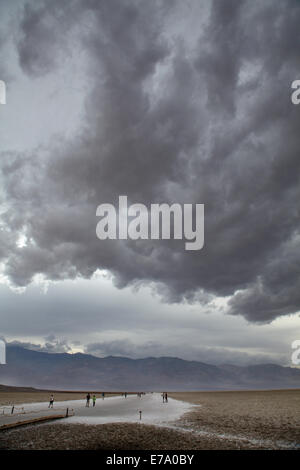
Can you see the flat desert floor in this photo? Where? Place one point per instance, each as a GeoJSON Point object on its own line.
{"type": "Point", "coordinates": [261, 418]}
{"type": "Point", "coordinates": [220, 420]}
{"type": "Point", "coordinates": [17, 398]}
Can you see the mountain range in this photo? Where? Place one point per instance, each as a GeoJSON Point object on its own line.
{"type": "Point", "coordinates": [28, 368]}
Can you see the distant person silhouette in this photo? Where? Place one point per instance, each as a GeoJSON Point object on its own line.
{"type": "Point", "coordinates": [51, 401]}
{"type": "Point", "coordinates": [94, 400]}
{"type": "Point", "coordinates": [88, 397]}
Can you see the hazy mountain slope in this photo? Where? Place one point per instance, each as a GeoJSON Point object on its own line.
{"type": "Point", "coordinates": [82, 371]}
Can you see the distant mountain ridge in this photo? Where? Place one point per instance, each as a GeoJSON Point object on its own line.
{"type": "Point", "coordinates": [28, 368]}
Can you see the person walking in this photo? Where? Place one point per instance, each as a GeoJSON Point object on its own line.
{"type": "Point", "coordinates": [51, 401]}
{"type": "Point", "coordinates": [166, 397]}
{"type": "Point", "coordinates": [163, 396]}
{"type": "Point", "coordinates": [88, 397]}
{"type": "Point", "coordinates": [94, 400]}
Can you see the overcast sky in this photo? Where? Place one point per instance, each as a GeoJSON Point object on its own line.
{"type": "Point", "coordinates": [163, 101]}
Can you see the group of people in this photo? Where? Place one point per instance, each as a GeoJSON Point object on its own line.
{"type": "Point", "coordinates": [88, 399]}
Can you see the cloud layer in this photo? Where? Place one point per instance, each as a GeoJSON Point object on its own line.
{"type": "Point", "coordinates": [176, 110]}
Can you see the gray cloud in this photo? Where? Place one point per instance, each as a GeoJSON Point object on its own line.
{"type": "Point", "coordinates": [204, 120]}
{"type": "Point", "coordinates": [94, 316]}
{"type": "Point", "coordinates": [214, 355]}
{"type": "Point", "coordinates": [51, 345]}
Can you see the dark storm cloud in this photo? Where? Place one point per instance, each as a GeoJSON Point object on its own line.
{"type": "Point", "coordinates": [205, 120]}
{"type": "Point", "coordinates": [41, 41]}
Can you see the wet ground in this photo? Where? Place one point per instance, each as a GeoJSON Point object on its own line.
{"type": "Point", "coordinates": [221, 420]}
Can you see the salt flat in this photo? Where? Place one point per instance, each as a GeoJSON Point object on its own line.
{"type": "Point", "coordinates": [110, 410]}
{"type": "Point", "coordinates": [224, 420]}
{"type": "Point", "coordinates": [121, 409]}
